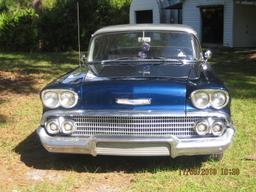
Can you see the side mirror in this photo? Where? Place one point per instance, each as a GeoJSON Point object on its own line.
{"type": "Point", "coordinates": [208, 54]}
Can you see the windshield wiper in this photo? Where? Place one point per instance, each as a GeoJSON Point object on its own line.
{"type": "Point", "coordinates": [128, 61]}
{"type": "Point", "coordinates": [122, 59]}
{"type": "Point", "coordinates": [175, 60]}
{"type": "Point", "coordinates": [147, 77]}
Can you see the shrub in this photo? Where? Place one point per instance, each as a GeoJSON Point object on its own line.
{"type": "Point", "coordinates": [18, 30]}
{"type": "Point", "coordinates": [55, 26]}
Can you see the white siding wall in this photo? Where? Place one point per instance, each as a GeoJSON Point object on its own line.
{"type": "Point", "coordinates": [192, 17]}
{"type": "Point", "coordinates": [140, 5]}
{"type": "Point", "coordinates": [245, 26]}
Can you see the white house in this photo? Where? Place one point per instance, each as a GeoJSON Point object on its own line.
{"type": "Point", "coordinates": [230, 23]}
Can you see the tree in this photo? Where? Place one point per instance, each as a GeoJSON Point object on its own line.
{"type": "Point", "coordinates": [55, 25]}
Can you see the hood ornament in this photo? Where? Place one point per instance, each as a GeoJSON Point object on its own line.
{"type": "Point", "coordinates": [133, 101]}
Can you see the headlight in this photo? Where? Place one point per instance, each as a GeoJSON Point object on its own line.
{"type": "Point", "coordinates": [68, 127]}
{"type": "Point", "coordinates": [68, 99]}
{"type": "Point", "coordinates": [218, 128]}
{"type": "Point", "coordinates": [53, 127]}
{"type": "Point", "coordinates": [219, 99]}
{"type": "Point", "coordinates": [59, 97]}
{"type": "Point", "coordinates": [204, 98]}
{"type": "Point", "coordinates": [50, 99]}
{"type": "Point", "coordinates": [200, 99]}
{"type": "Point", "coordinates": [202, 128]}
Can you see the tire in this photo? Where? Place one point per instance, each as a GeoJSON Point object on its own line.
{"type": "Point", "coordinates": [216, 157]}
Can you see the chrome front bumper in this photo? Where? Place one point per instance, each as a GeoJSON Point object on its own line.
{"type": "Point", "coordinates": [136, 146]}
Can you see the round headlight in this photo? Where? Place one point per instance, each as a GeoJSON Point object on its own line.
{"type": "Point", "coordinates": [53, 127]}
{"type": "Point", "coordinates": [200, 99]}
{"type": "Point", "coordinates": [68, 99]}
{"type": "Point", "coordinates": [219, 100]}
{"type": "Point", "coordinates": [218, 128]}
{"type": "Point", "coordinates": [68, 127]}
{"type": "Point", "coordinates": [50, 99]}
{"type": "Point", "coordinates": [202, 128]}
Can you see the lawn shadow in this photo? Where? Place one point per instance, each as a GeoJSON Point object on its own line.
{"type": "Point", "coordinates": [3, 118]}
{"type": "Point", "coordinates": [34, 155]}
{"type": "Point", "coordinates": [237, 68]}
{"type": "Point", "coordinates": [50, 63]}
{"type": "Point", "coordinates": [2, 100]}
{"type": "Point", "coordinates": [21, 72]}
{"type": "Point", "coordinates": [18, 83]}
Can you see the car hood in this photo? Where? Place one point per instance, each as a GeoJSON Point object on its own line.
{"type": "Point", "coordinates": [162, 94]}
{"type": "Point", "coordinates": [102, 93]}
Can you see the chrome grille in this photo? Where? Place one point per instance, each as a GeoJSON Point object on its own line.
{"type": "Point", "coordinates": [135, 126]}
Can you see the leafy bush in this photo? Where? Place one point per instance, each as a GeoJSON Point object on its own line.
{"type": "Point", "coordinates": [18, 30]}
{"type": "Point", "coordinates": [54, 28]}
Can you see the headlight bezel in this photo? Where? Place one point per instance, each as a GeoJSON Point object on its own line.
{"type": "Point", "coordinates": [226, 95]}
{"type": "Point", "coordinates": [45, 102]}
{"type": "Point", "coordinates": [70, 122]}
{"type": "Point", "coordinates": [193, 97]}
{"type": "Point", "coordinates": [61, 102]}
{"type": "Point", "coordinates": [210, 93]}
{"type": "Point", "coordinates": [59, 92]}
{"type": "Point", "coordinates": [206, 124]}
{"type": "Point", "coordinates": [48, 128]}
{"type": "Point", "coordinates": [221, 124]}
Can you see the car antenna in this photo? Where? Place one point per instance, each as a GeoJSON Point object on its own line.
{"type": "Point", "coordinates": [78, 33]}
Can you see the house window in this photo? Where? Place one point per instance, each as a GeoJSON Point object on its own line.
{"type": "Point", "coordinates": [145, 16]}
{"type": "Point", "coordinates": [175, 12]}
{"type": "Point", "coordinates": [176, 16]}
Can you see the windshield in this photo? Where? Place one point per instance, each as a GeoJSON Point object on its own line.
{"type": "Point", "coordinates": [152, 53]}
{"type": "Point", "coordinates": [143, 45]}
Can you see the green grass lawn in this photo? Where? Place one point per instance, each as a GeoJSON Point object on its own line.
{"type": "Point", "coordinates": [26, 166]}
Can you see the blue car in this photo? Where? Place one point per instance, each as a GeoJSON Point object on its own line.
{"type": "Point", "coordinates": [143, 90]}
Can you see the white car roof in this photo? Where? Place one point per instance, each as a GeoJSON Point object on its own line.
{"type": "Point", "coordinates": [146, 27]}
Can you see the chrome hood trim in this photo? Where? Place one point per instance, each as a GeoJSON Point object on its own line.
{"type": "Point", "coordinates": [134, 102]}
